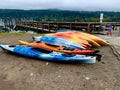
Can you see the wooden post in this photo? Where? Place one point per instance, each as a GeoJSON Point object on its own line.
{"type": "Point", "coordinates": [42, 25]}
{"type": "Point", "coordinates": [88, 28]}
{"type": "Point", "coordinates": [37, 24]}
{"type": "Point", "coordinates": [32, 24]}
{"type": "Point", "coordinates": [70, 26]}
{"type": "Point", "coordinates": [93, 27]}
{"type": "Point", "coordinates": [58, 26]}
{"type": "Point", "coordinates": [49, 27]}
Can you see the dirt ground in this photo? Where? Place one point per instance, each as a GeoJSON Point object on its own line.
{"type": "Point", "coordinates": [20, 73]}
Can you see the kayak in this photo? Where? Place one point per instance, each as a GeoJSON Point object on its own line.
{"type": "Point", "coordinates": [95, 38]}
{"type": "Point", "coordinates": [80, 36]}
{"type": "Point", "coordinates": [70, 37]}
{"type": "Point", "coordinates": [43, 45]}
{"type": "Point", "coordinates": [47, 55]}
{"type": "Point", "coordinates": [57, 41]}
{"type": "Point", "coordinates": [92, 39]}
{"type": "Point", "coordinates": [57, 48]}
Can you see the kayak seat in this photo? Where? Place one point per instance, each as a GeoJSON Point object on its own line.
{"type": "Point", "coordinates": [68, 48]}
{"type": "Point", "coordinates": [43, 50]}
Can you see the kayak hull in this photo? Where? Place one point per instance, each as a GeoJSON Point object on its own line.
{"type": "Point", "coordinates": [57, 41]}
{"type": "Point", "coordinates": [48, 56]}
{"type": "Point", "coordinates": [57, 48]}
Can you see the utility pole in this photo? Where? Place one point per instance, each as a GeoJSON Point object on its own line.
{"type": "Point", "coordinates": [101, 18]}
{"type": "Point", "coordinates": [101, 21]}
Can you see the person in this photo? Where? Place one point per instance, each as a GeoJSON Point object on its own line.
{"type": "Point", "coordinates": [110, 30]}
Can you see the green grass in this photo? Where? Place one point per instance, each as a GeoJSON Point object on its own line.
{"type": "Point", "coordinates": [19, 33]}
{"type": "Point", "coordinates": [11, 33]}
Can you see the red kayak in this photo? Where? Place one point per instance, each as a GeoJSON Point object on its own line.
{"type": "Point", "coordinates": [57, 48]}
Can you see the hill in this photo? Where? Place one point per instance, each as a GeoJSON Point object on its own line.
{"type": "Point", "coordinates": [58, 15]}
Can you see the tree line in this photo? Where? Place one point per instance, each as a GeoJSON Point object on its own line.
{"type": "Point", "coordinates": [57, 15]}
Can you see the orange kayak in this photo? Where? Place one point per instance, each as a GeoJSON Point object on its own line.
{"type": "Point", "coordinates": [73, 38]}
{"type": "Point", "coordinates": [94, 38]}
{"type": "Point", "coordinates": [43, 45]}
{"type": "Point", "coordinates": [57, 48]}
{"type": "Point", "coordinates": [80, 36]}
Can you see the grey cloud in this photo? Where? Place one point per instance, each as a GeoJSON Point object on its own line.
{"type": "Point", "coordinates": [94, 5]}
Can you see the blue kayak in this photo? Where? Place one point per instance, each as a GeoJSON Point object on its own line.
{"type": "Point", "coordinates": [47, 55]}
{"type": "Point", "coordinates": [57, 41]}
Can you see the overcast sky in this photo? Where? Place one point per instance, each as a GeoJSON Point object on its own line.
{"type": "Point", "coordinates": [91, 5]}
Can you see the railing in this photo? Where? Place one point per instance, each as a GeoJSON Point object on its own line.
{"type": "Point", "coordinates": [51, 26]}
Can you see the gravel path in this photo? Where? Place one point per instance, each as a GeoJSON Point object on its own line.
{"type": "Point", "coordinates": [20, 73]}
